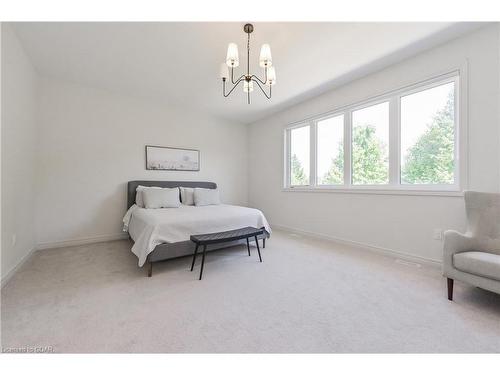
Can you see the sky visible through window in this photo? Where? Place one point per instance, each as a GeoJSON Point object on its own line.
{"type": "Point", "coordinates": [428, 136]}
{"type": "Point", "coordinates": [370, 145]}
{"type": "Point", "coordinates": [377, 116]}
{"type": "Point", "coordinates": [330, 143]}
{"type": "Point", "coordinates": [418, 111]}
{"type": "Point", "coordinates": [300, 143]}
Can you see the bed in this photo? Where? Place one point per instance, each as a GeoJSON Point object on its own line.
{"type": "Point", "coordinates": [161, 234]}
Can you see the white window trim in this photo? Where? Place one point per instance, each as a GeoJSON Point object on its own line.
{"type": "Point", "coordinates": [457, 75]}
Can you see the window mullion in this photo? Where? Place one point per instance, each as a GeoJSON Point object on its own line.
{"type": "Point", "coordinates": [459, 180]}
{"type": "Point", "coordinates": [287, 151]}
{"type": "Point", "coordinates": [394, 142]}
{"type": "Point", "coordinates": [347, 148]}
{"type": "Point", "coordinates": [313, 153]}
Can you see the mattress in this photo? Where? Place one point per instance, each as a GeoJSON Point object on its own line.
{"type": "Point", "coordinates": [152, 227]}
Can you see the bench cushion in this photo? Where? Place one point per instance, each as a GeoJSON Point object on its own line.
{"type": "Point", "coordinates": [230, 235]}
{"type": "Point", "coordinates": [478, 263]}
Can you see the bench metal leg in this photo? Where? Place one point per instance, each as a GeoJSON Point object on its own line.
{"type": "Point", "coordinates": [203, 260]}
{"type": "Point", "coordinates": [150, 269]}
{"type": "Point", "coordinates": [194, 257]}
{"type": "Point", "coordinates": [450, 289]}
{"type": "Point", "coordinates": [258, 248]}
{"type": "Point", "coordinates": [264, 243]}
{"type": "Point", "coordinates": [248, 247]}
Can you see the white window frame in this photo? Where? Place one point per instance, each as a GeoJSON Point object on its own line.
{"type": "Point", "coordinates": [458, 76]}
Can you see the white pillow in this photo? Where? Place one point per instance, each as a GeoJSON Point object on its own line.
{"type": "Point", "coordinates": [187, 196]}
{"type": "Point", "coordinates": [139, 201]}
{"type": "Point", "coordinates": [205, 197]}
{"type": "Point", "coordinates": [161, 198]}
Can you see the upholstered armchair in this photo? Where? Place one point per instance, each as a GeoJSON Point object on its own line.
{"type": "Point", "coordinates": [474, 257]}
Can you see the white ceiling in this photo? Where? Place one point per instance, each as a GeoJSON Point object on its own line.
{"type": "Point", "coordinates": [179, 62]}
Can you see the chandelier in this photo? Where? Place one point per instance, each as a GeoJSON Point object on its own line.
{"type": "Point", "coordinates": [232, 61]}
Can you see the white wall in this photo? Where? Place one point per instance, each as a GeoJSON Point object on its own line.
{"type": "Point", "coordinates": [18, 152]}
{"type": "Point", "coordinates": [399, 223]}
{"type": "Point", "coordinates": [91, 143]}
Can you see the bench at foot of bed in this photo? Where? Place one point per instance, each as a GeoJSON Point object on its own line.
{"type": "Point", "coordinates": [168, 251]}
{"type": "Point", "coordinates": [221, 237]}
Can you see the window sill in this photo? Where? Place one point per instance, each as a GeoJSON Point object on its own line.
{"type": "Point", "coordinates": [375, 190]}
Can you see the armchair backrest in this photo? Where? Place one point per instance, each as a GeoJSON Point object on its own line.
{"type": "Point", "coordinates": [483, 214]}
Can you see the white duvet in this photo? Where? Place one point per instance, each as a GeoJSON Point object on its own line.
{"type": "Point", "coordinates": [151, 227]}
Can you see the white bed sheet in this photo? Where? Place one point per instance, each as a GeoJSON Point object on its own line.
{"type": "Point", "coordinates": [151, 227]}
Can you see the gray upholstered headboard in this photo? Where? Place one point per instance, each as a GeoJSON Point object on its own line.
{"type": "Point", "coordinates": [132, 186]}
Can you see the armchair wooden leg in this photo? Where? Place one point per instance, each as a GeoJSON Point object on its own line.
{"type": "Point", "coordinates": [450, 289]}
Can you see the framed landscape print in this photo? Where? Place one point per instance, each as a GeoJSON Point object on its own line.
{"type": "Point", "coordinates": [172, 159]}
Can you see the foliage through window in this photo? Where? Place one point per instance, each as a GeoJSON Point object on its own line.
{"type": "Point", "coordinates": [407, 138]}
{"type": "Point", "coordinates": [370, 145]}
{"type": "Point", "coordinates": [330, 158]}
{"type": "Point", "coordinates": [299, 156]}
{"type": "Point", "coordinates": [428, 136]}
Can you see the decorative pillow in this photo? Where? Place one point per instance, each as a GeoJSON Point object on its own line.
{"type": "Point", "coordinates": [205, 197]}
{"type": "Point", "coordinates": [139, 201]}
{"type": "Point", "coordinates": [161, 198]}
{"type": "Point", "coordinates": [187, 196]}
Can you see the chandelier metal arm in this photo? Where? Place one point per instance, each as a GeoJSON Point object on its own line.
{"type": "Point", "coordinates": [260, 87]}
{"type": "Point", "coordinates": [232, 76]}
{"type": "Point", "coordinates": [261, 81]}
{"type": "Point", "coordinates": [232, 89]}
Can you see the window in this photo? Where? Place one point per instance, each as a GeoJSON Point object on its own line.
{"type": "Point", "coordinates": [330, 147]}
{"type": "Point", "coordinates": [370, 145]}
{"type": "Point", "coordinates": [407, 139]}
{"type": "Point", "coordinates": [299, 156]}
{"type": "Point", "coordinates": [428, 136]}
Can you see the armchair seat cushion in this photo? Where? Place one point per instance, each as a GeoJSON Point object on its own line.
{"type": "Point", "coordinates": [478, 263]}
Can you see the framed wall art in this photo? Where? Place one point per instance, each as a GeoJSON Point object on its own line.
{"type": "Point", "coordinates": [172, 159]}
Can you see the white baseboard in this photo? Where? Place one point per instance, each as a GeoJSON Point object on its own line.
{"type": "Point", "coordinates": [381, 250]}
{"type": "Point", "coordinates": [81, 241]}
{"type": "Point", "coordinates": [121, 236]}
{"type": "Point", "coordinates": [8, 276]}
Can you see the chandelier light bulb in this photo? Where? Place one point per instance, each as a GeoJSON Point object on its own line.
{"type": "Point", "coordinates": [224, 71]}
{"type": "Point", "coordinates": [265, 56]}
{"type": "Point", "coordinates": [232, 59]}
{"type": "Point", "coordinates": [247, 86]}
{"type": "Point", "coordinates": [271, 76]}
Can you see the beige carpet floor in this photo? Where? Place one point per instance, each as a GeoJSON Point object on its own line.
{"type": "Point", "coordinates": [308, 295]}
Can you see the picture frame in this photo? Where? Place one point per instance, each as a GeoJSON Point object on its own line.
{"type": "Point", "coordinates": [162, 158]}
